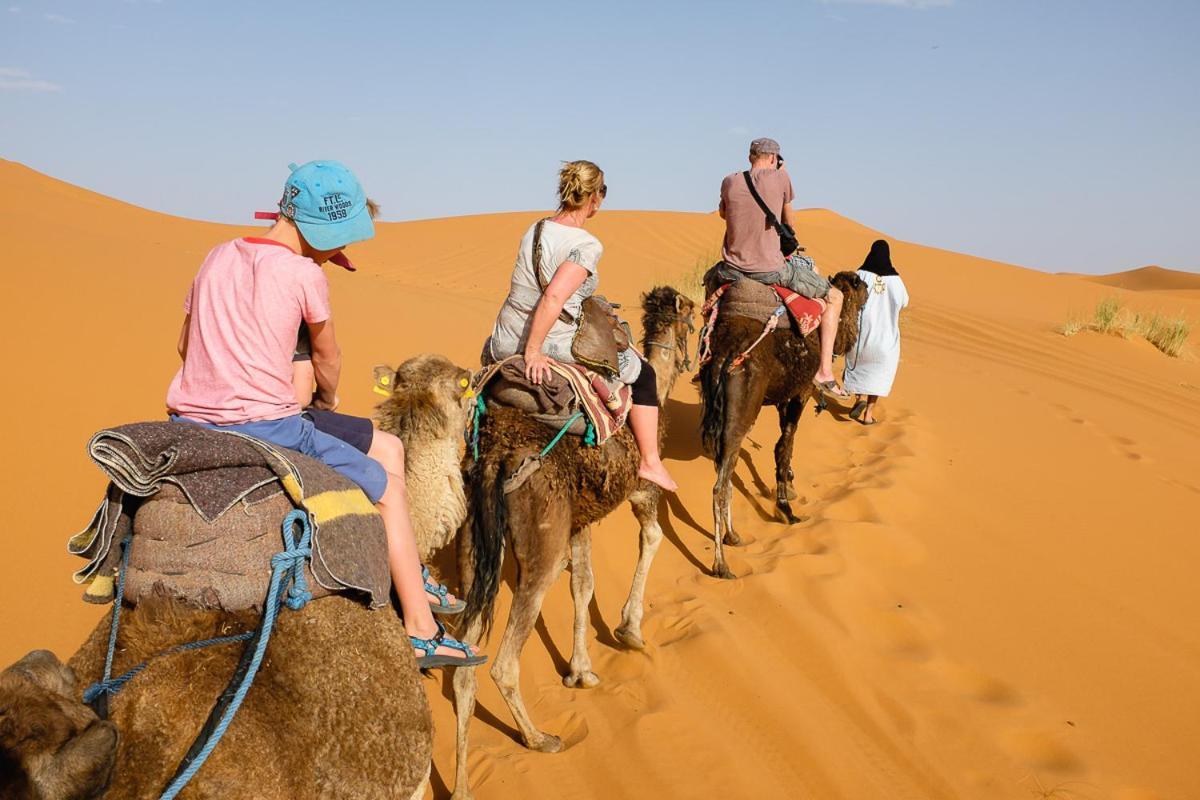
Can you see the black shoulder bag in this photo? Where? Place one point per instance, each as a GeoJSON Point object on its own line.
{"type": "Point", "coordinates": [788, 243]}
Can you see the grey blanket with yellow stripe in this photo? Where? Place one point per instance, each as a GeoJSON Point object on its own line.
{"type": "Point", "coordinates": [216, 473]}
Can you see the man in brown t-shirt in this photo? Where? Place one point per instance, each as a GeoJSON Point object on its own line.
{"type": "Point", "coordinates": [751, 248]}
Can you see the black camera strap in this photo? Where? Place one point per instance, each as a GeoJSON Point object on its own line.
{"type": "Point", "coordinates": [772, 220]}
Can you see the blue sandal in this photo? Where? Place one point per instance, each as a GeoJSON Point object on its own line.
{"type": "Point", "coordinates": [432, 659]}
{"type": "Point", "coordinates": [443, 605]}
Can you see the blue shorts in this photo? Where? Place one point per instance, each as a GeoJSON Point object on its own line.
{"type": "Point", "coordinates": [298, 433]}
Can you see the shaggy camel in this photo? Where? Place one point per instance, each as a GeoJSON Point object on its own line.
{"type": "Point", "coordinates": [778, 372]}
{"type": "Point", "coordinates": [52, 747]}
{"type": "Point", "coordinates": [426, 411]}
{"type": "Point", "coordinates": [548, 522]}
{"type": "Point", "coordinates": [337, 709]}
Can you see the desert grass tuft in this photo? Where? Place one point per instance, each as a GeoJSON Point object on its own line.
{"type": "Point", "coordinates": [1165, 332]}
{"type": "Point", "coordinates": [1107, 316]}
{"type": "Point", "coordinates": [1168, 334]}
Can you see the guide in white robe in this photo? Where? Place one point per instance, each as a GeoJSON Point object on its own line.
{"type": "Point", "coordinates": [871, 363]}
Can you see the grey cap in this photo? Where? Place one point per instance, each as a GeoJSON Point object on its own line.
{"type": "Point", "coordinates": [765, 146]}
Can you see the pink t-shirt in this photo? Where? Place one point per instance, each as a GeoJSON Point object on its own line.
{"type": "Point", "coordinates": [751, 245]}
{"type": "Point", "coordinates": [246, 305]}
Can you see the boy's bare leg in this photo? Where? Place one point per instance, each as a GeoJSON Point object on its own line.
{"type": "Point", "coordinates": [404, 562]}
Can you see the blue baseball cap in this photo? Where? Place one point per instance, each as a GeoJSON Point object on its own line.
{"type": "Point", "coordinates": [327, 204]}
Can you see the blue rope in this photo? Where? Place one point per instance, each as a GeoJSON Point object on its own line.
{"type": "Point", "coordinates": [480, 409]}
{"type": "Point", "coordinates": [103, 686]}
{"type": "Point", "coordinates": [109, 685]}
{"type": "Point", "coordinates": [287, 570]}
{"type": "Point", "coordinates": [561, 433]}
{"type": "Point", "coordinates": [589, 435]}
{"type": "Point", "coordinates": [112, 686]}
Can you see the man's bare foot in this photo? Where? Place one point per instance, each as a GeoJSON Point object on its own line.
{"type": "Point", "coordinates": [658, 475]}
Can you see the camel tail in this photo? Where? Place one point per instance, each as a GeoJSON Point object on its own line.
{"type": "Point", "coordinates": [712, 420]}
{"type": "Point", "coordinates": [489, 530]}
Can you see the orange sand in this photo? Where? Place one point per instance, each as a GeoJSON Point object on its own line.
{"type": "Point", "coordinates": [993, 596]}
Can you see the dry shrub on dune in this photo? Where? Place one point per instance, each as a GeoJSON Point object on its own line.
{"type": "Point", "coordinates": [1165, 332]}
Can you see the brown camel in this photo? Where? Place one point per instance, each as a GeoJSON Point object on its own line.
{"type": "Point", "coordinates": [52, 747]}
{"type": "Point", "coordinates": [548, 523]}
{"type": "Point", "coordinates": [336, 711]}
{"type": "Point", "coordinates": [778, 372]}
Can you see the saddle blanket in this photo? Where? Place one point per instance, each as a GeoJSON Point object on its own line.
{"type": "Point", "coordinates": [202, 475]}
{"type": "Point", "coordinates": [573, 388]}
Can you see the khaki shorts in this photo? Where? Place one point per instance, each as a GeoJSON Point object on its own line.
{"type": "Point", "coordinates": [798, 274]}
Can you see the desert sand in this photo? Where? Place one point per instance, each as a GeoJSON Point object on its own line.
{"type": "Point", "coordinates": [993, 596]}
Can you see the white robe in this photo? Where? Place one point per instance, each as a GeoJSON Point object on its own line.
{"type": "Point", "coordinates": [871, 363]}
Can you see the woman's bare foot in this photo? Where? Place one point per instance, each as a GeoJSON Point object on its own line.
{"type": "Point", "coordinates": [658, 475]}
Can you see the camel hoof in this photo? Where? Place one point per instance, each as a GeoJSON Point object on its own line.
{"type": "Point", "coordinates": [731, 538]}
{"type": "Point", "coordinates": [630, 639]}
{"type": "Point", "coordinates": [789, 517]}
{"type": "Point", "coordinates": [584, 680]}
{"type": "Point", "coordinates": [723, 572]}
{"type": "Point", "coordinates": [546, 744]}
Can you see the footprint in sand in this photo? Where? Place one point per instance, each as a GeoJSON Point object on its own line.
{"type": "Point", "coordinates": [1040, 750]}
{"type": "Point", "coordinates": [675, 630]}
{"type": "Point", "coordinates": [975, 684]}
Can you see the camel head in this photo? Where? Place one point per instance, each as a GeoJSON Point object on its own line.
{"type": "Point", "coordinates": [425, 398]}
{"type": "Point", "coordinates": [667, 321]}
{"type": "Point", "coordinates": [854, 291]}
{"type": "Point", "coordinates": [52, 746]}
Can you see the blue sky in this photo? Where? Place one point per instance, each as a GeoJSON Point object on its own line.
{"type": "Point", "coordinates": [1057, 134]}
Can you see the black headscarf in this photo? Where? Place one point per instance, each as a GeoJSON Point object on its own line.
{"type": "Point", "coordinates": [879, 260]}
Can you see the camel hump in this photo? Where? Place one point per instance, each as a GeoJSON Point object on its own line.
{"type": "Point", "coordinates": [749, 298]}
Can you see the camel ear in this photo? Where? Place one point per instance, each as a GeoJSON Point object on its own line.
{"type": "Point", "coordinates": [678, 303]}
{"type": "Point", "coordinates": [385, 380]}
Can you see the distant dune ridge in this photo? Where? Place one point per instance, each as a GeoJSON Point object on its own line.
{"type": "Point", "coordinates": [1150, 279]}
{"type": "Point", "coordinates": [994, 596]}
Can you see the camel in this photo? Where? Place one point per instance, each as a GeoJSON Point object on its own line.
{"type": "Point", "coordinates": [336, 711]}
{"type": "Point", "coordinates": [778, 372]}
{"type": "Point", "coordinates": [426, 411]}
{"type": "Point", "coordinates": [548, 522]}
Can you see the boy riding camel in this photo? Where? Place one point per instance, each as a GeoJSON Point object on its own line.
{"type": "Point", "coordinates": [237, 343]}
{"type": "Point", "coordinates": [752, 247]}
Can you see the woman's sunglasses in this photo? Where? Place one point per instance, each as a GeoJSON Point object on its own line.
{"type": "Point", "coordinates": [603, 190]}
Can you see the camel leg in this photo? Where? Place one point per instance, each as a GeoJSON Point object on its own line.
{"type": "Point", "coordinates": [420, 792]}
{"type": "Point", "coordinates": [582, 587]}
{"type": "Point", "coordinates": [744, 397]}
{"type": "Point", "coordinates": [465, 685]}
{"type": "Point", "coordinates": [465, 681]}
{"type": "Point", "coordinates": [723, 513]}
{"type": "Point", "coordinates": [532, 582]}
{"type": "Point", "coordinates": [789, 416]}
{"type": "Point", "coordinates": [645, 508]}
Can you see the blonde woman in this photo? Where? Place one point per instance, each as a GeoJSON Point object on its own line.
{"type": "Point", "coordinates": [529, 321]}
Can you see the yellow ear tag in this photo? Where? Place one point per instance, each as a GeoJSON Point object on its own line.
{"type": "Point", "coordinates": [464, 383]}
{"type": "Point", "coordinates": [383, 381]}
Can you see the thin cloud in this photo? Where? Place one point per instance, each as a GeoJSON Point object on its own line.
{"type": "Point", "coordinates": [14, 9]}
{"type": "Point", "coordinates": [13, 79]}
{"type": "Point", "coordinates": [58, 19]}
{"type": "Point", "coordinates": [894, 3]}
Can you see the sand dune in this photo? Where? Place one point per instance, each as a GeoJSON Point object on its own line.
{"type": "Point", "coordinates": [1150, 279]}
{"type": "Point", "coordinates": [992, 596]}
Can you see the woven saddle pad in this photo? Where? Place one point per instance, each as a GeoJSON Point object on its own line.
{"type": "Point", "coordinates": [225, 564]}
